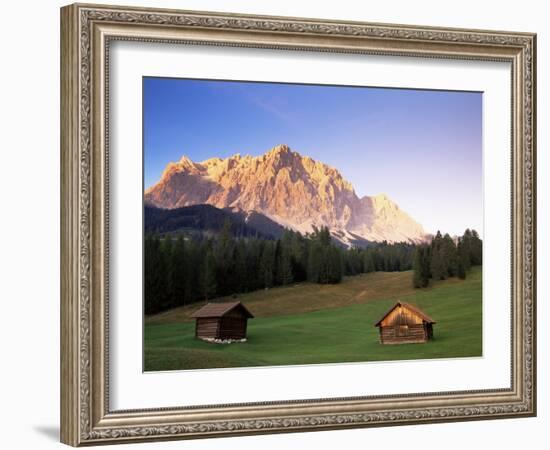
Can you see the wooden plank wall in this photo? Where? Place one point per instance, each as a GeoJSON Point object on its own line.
{"type": "Point", "coordinates": [413, 334]}
{"type": "Point", "coordinates": [207, 327]}
{"type": "Point", "coordinates": [233, 328]}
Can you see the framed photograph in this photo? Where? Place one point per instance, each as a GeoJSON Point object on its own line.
{"type": "Point", "coordinates": [276, 224]}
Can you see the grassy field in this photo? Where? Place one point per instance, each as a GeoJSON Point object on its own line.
{"type": "Point", "coordinates": [309, 324]}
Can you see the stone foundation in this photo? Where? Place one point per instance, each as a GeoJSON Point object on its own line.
{"type": "Point", "coordinates": [222, 341]}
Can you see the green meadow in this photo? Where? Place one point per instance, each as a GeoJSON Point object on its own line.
{"type": "Point", "coordinates": [312, 324]}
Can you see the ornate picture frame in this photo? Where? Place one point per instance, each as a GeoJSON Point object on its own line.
{"type": "Point", "coordinates": [87, 32]}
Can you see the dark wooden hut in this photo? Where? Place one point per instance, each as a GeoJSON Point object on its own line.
{"type": "Point", "coordinates": [222, 321]}
{"type": "Point", "coordinates": [405, 324]}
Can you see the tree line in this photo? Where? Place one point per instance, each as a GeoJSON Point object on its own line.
{"type": "Point", "coordinates": [180, 271]}
{"type": "Point", "coordinates": [445, 258]}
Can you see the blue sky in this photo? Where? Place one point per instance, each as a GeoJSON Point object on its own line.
{"type": "Point", "coordinates": [421, 148]}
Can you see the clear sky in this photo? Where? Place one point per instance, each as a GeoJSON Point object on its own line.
{"type": "Point", "coordinates": [421, 148]}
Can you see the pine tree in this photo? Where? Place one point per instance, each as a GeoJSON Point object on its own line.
{"type": "Point", "coordinates": [179, 272]}
{"type": "Point", "coordinates": [241, 274]}
{"type": "Point", "coordinates": [476, 249]}
{"type": "Point", "coordinates": [324, 265]}
{"type": "Point", "coordinates": [417, 268]}
{"type": "Point", "coordinates": [421, 266]}
{"type": "Point", "coordinates": [465, 250]}
{"type": "Point", "coordinates": [426, 266]}
{"type": "Point", "coordinates": [467, 242]}
{"type": "Point", "coordinates": [168, 273]}
{"type": "Point", "coordinates": [284, 266]}
{"type": "Point", "coordinates": [324, 236]}
{"type": "Point", "coordinates": [193, 267]}
{"type": "Point", "coordinates": [464, 263]}
{"type": "Point", "coordinates": [298, 255]}
{"type": "Point", "coordinates": [368, 262]}
{"type": "Point", "coordinates": [154, 286]}
{"type": "Point", "coordinates": [267, 265]}
{"type": "Point", "coordinates": [253, 257]}
{"type": "Point", "coordinates": [208, 276]}
{"type": "Point", "coordinates": [449, 255]}
{"type": "Point", "coordinates": [438, 266]}
{"type": "Point", "coordinates": [460, 269]}
{"type": "Point", "coordinates": [223, 259]}
{"type": "Point", "coordinates": [334, 265]}
{"type": "Point", "coordinates": [315, 254]}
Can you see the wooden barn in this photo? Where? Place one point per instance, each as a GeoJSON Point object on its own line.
{"type": "Point", "coordinates": [221, 321]}
{"type": "Point", "coordinates": [405, 324]}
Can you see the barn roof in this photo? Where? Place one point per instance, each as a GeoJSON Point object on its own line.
{"type": "Point", "coordinates": [220, 310]}
{"type": "Point", "coordinates": [411, 308]}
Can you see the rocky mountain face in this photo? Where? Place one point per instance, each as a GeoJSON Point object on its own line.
{"type": "Point", "coordinates": [290, 189]}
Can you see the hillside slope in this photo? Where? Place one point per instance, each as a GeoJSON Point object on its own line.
{"type": "Point", "coordinates": [334, 334]}
{"type": "Point", "coordinates": [306, 297]}
{"type": "Point", "coordinates": [207, 218]}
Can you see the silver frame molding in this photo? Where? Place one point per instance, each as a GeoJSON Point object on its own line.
{"type": "Point", "coordinates": [86, 31]}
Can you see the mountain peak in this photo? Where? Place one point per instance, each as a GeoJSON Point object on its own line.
{"type": "Point", "coordinates": [382, 199]}
{"type": "Point", "coordinates": [282, 153]}
{"type": "Point", "coordinates": [280, 149]}
{"type": "Point", "coordinates": [185, 163]}
{"type": "Point", "coordinates": [293, 190]}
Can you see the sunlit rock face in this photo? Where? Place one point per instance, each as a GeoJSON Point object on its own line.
{"type": "Point", "coordinates": [293, 190]}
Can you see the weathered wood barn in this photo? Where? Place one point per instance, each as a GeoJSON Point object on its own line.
{"type": "Point", "coordinates": [405, 324]}
{"type": "Point", "coordinates": [222, 321]}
